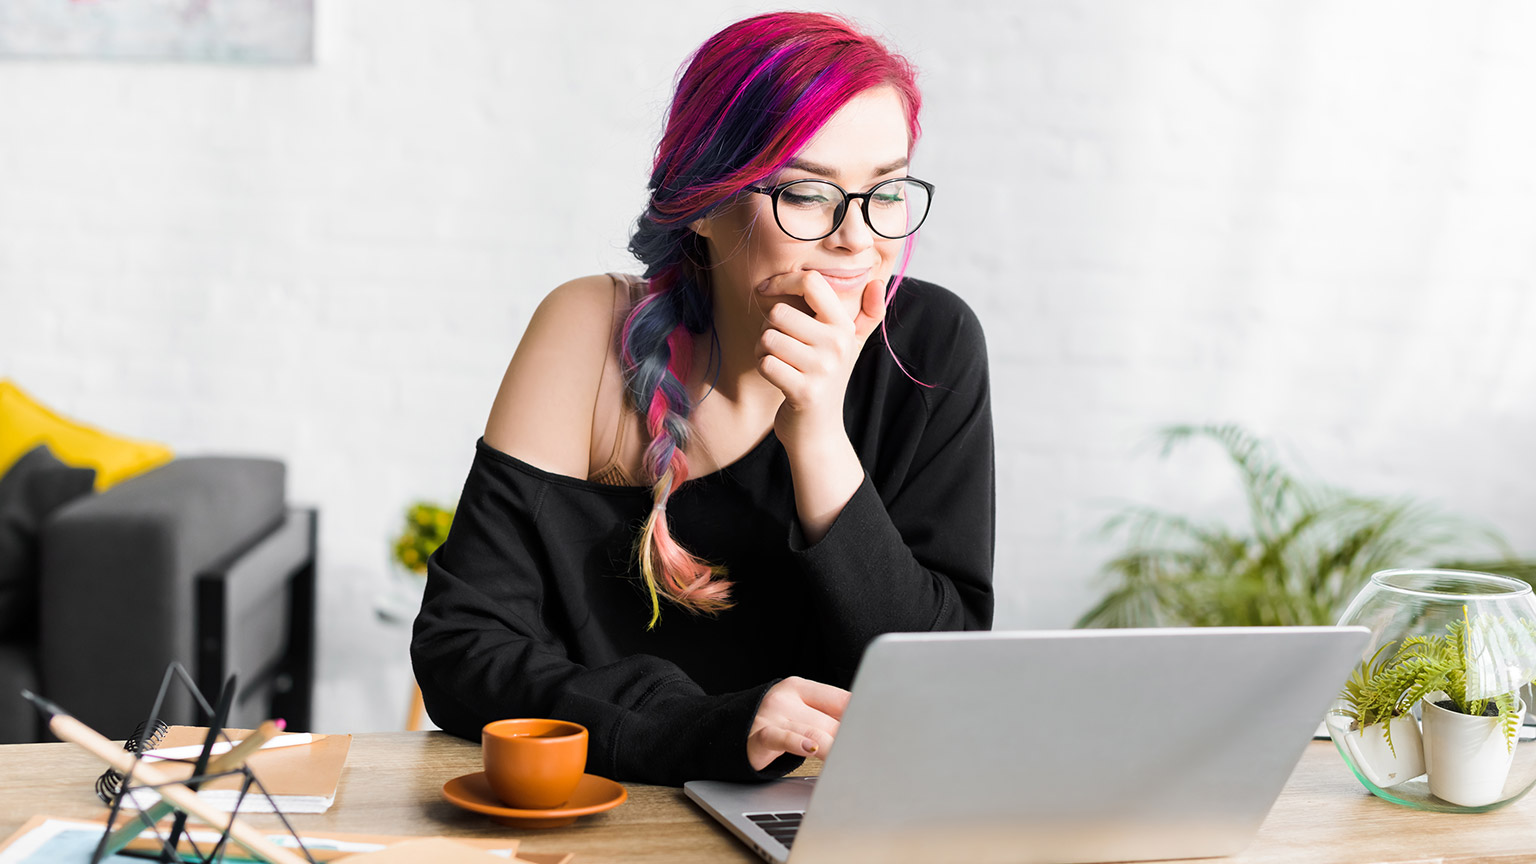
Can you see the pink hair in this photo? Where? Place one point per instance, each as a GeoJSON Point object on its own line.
{"type": "Point", "coordinates": [747, 102]}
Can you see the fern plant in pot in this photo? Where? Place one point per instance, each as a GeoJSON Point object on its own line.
{"type": "Point", "coordinates": [1469, 679]}
{"type": "Point", "coordinates": [1382, 734]}
{"type": "Point", "coordinates": [1465, 653]}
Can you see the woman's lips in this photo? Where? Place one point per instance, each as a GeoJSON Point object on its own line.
{"type": "Point", "coordinates": [845, 280]}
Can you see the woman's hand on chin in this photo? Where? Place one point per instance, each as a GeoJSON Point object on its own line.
{"type": "Point", "coordinates": [809, 357]}
{"type": "Point", "coordinates": [797, 716]}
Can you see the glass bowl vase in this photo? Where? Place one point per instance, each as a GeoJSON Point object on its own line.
{"type": "Point", "coordinates": [1431, 718]}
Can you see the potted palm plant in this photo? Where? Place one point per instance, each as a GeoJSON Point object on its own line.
{"type": "Point", "coordinates": [1305, 552]}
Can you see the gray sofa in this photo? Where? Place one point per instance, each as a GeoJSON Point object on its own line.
{"type": "Point", "coordinates": [199, 561]}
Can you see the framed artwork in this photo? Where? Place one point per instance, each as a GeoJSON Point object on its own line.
{"type": "Point", "coordinates": [209, 31]}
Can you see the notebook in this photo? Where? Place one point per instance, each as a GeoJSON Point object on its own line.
{"type": "Point", "coordinates": [300, 779]}
{"type": "Point", "coordinates": [1052, 746]}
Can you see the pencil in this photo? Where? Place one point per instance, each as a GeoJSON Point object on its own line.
{"type": "Point", "coordinates": [72, 730]}
{"type": "Point", "coordinates": [218, 765]}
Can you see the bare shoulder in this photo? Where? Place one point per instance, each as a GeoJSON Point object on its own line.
{"type": "Point", "coordinates": [543, 411]}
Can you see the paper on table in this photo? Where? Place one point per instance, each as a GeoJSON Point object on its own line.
{"type": "Point", "coordinates": [327, 846]}
{"type": "Point", "coordinates": [47, 840]}
{"type": "Point", "coordinates": [50, 840]}
{"type": "Point", "coordinates": [192, 751]}
{"type": "Point", "coordinates": [300, 779]}
{"type": "Point", "coordinates": [228, 799]}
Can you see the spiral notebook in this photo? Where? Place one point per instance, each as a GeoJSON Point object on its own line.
{"type": "Point", "coordinates": [300, 779]}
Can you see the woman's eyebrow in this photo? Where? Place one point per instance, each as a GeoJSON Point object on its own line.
{"type": "Point", "coordinates": [824, 171]}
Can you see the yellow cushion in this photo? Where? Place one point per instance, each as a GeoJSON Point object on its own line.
{"type": "Point", "coordinates": [26, 423]}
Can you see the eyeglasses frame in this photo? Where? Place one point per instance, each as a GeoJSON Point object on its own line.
{"type": "Point", "coordinates": [773, 193]}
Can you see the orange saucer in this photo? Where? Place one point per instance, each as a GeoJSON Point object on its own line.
{"type": "Point", "coordinates": [593, 794]}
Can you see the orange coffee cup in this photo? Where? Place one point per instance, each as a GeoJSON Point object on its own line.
{"type": "Point", "coordinates": [533, 764]}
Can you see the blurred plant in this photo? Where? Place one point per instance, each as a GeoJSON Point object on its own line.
{"type": "Point", "coordinates": [1524, 570]}
{"type": "Point", "coordinates": [426, 527]}
{"type": "Point", "coordinates": [1307, 550]}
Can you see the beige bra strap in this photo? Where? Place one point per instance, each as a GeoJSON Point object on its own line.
{"type": "Point", "coordinates": [612, 473]}
{"type": "Point", "coordinates": [627, 290]}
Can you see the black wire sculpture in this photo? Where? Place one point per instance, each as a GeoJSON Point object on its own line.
{"type": "Point", "coordinates": [114, 788]}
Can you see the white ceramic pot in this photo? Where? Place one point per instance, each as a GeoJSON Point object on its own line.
{"type": "Point", "coordinates": [1467, 757]}
{"type": "Point", "coordinates": [1383, 765]}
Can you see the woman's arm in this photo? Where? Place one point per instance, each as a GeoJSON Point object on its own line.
{"type": "Point", "coordinates": [809, 358]}
{"type": "Point", "coordinates": [543, 410]}
{"type": "Point", "coordinates": [912, 548]}
{"type": "Point", "coordinates": [481, 651]}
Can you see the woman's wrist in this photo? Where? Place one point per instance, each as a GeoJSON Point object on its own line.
{"type": "Point", "coordinates": [825, 474]}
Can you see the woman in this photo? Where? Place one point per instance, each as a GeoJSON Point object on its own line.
{"type": "Point", "coordinates": [701, 494]}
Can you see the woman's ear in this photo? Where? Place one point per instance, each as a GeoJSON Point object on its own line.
{"type": "Point", "coordinates": [703, 226]}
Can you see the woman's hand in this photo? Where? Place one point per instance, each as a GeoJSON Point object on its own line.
{"type": "Point", "coordinates": [796, 716]}
{"type": "Point", "coordinates": [810, 356]}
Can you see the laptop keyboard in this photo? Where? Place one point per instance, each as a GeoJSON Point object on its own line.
{"type": "Point", "coordinates": [780, 826]}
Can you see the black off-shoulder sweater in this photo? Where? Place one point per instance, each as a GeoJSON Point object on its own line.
{"type": "Point", "coordinates": [533, 608]}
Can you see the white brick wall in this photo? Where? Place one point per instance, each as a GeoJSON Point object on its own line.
{"type": "Point", "coordinates": [1313, 218]}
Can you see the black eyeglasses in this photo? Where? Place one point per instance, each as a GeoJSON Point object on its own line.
{"type": "Point", "coordinates": [813, 209]}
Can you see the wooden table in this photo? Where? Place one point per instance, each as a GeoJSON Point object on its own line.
{"type": "Point", "coordinates": [393, 781]}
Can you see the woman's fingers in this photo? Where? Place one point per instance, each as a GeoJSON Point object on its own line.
{"type": "Point", "coordinates": [791, 740]}
{"type": "Point", "coordinates": [795, 366]}
{"type": "Point", "coordinates": [805, 740]}
{"type": "Point", "coordinates": [814, 347]}
{"type": "Point", "coordinates": [789, 721]}
{"type": "Point", "coordinates": [871, 309]}
{"type": "Point", "coordinates": [771, 742]}
{"type": "Point", "coordinates": [795, 695]}
{"type": "Point", "coordinates": [823, 300]}
{"type": "Point", "coordinates": [768, 744]}
{"type": "Point", "coordinates": [791, 349]}
{"type": "Point", "coordinates": [829, 700]}
{"type": "Point", "coordinates": [825, 305]}
{"type": "Point", "coordinates": [810, 286]}
{"type": "Point", "coordinates": [821, 741]}
{"type": "Point", "coordinates": [793, 322]}
{"type": "Point", "coordinates": [780, 374]}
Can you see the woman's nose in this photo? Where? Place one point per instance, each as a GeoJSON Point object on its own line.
{"type": "Point", "coordinates": [854, 232]}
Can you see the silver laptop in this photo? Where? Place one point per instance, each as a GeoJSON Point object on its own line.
{"type": "Point", "coordinates": [1052, 746]}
